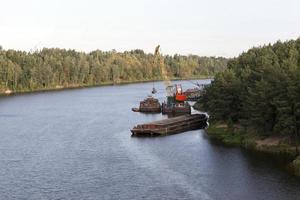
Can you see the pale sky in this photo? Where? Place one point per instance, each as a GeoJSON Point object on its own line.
{"type": "Point", "coordinates": [201, 27]}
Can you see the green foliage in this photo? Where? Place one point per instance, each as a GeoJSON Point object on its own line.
{"type": "Point", "coordinates": [230, 136]}
{"type": "Point", "coordinates": [51, 68]}
{"type": "Point", "coordinates": [248, 140]}
{"type": "Point", "coordinates": [260, 89]}
{"type": "Point", "coordinates": [222, 99]}
{"type": "Point", "coordinates": [295, 165]}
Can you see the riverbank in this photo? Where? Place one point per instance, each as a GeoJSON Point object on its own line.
{"type": "Point", "coordinates": [77, 86]}
{"type": "Point", "coordinates": [277, 147]}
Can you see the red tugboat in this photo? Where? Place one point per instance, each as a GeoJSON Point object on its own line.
{"type": "Point", "coordinates": [176, 101]}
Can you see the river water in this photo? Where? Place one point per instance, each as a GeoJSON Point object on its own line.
{"type": "Point", "coordinates": [76, 144]}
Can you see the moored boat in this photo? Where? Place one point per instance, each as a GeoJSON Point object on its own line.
{"type": "Point", "coordinates": [149, 105]}
{"type": "Point", "coordinates": [176, 102]}
{"type": "Point", "coordinates": [135, 109]}
{"type": "Point", "coordinates": [171, 125]}
{"type": "Point", "coordinates": [193, 94]}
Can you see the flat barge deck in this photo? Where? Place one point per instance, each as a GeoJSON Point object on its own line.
{"type": "Point", "coordinates": [171, 126]}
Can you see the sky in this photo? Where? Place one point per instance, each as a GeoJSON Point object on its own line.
{"type": "Point", "coordinates": [201, 27]}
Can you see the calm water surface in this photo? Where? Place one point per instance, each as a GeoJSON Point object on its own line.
{"type": "Point", "coordinates": [76, 144]}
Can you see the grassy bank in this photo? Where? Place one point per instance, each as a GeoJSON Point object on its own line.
{"type": "Point", "coordinates": [76, 86]}
{"type": "Point", "coordinates": [277, 147]}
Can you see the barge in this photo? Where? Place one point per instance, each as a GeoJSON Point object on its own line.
{"type": "Point", "coordinates": [171, 126]}
{"type": "Point", "coordinates": [193, 94]}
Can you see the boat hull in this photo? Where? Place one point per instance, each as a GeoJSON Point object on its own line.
{"type": "Point", "coordinates": [186, 109]}
{"type": "Point", "coordinates": [149, 105]}
{"type": "Point", "coordinates": [171, 126]}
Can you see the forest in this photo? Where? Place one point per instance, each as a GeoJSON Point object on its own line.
{"type": "Point", "coordinates": [61, 68]}
{"type": "Point", "coordinates": [259, 90]}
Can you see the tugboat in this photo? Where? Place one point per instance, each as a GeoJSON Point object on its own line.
{"type": "Point", "coordinates": [176, 102]}
{"type": "Point", "coordinates": [149, 105]}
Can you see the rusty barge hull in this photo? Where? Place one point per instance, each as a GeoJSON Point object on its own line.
{"type": "Point", "coordinates": [149, 105]}
{"type": "Point", "coordinates": [150, 109]}
{"type": "Point", "coordinates": [171, 126]}
{"type": "Point", "coordinates": [193, 94]}
{"type": "Point", "coordinates": [173, 109]}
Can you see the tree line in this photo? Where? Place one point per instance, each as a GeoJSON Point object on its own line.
{"type": "Point", "coordinates": [260, 90]}
{"type": "Point", "coordinates": [50, 68]}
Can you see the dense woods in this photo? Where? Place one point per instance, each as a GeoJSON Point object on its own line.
{"type": "Point", "coordinates": [260, 90]}
{"type": "Point", "coordinates": [57, 68]}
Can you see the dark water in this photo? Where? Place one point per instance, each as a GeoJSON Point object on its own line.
{"type": "Point", "coordinates": [76, 144]}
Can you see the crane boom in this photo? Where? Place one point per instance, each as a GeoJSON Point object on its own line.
{"type": "Point", "coordinates": [159, 60]}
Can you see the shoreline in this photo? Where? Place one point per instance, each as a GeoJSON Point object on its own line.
{"type": "Point", "coordinates": [70, 87]}
{"type": "Point", "coordinates": [276, 147]}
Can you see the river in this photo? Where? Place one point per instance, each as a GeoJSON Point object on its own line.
{"type": "Point", "coordinates": [76, 144]}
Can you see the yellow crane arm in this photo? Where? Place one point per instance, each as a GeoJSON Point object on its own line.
{"type": "Point", "coordinates": [160, 61]}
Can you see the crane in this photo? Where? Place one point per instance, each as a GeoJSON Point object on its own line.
{"type": "Point", "coordinates": [176, 99]}
{"type": "Point", "coordinates": [159, 61]}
